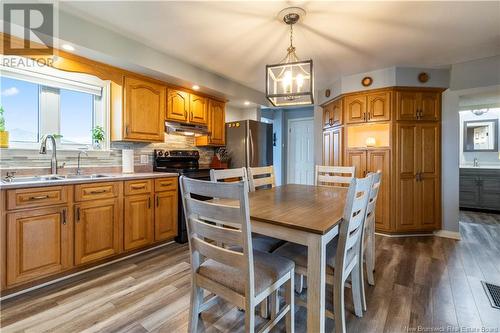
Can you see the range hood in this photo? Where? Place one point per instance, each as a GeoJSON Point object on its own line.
{"type": "Point", "coordinates": [185, 129]}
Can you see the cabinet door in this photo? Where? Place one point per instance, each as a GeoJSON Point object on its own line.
{"type": "Point", "coordinates": [489, 192]}
{"type": "Point", "coordinates": [407, 105]}
{"type": "Point", "coordinates": [407, 205]}
{"type": "Point", "coordinates": [138, 221]}
{"type": "Point", "coordinates": [144, 110]}
{"type": "Point", "coordinates": [469, 191]}
{"type": "Point", "coordinates": [97, 230]}
{"type": "Point", "coordinates": [380, 160]}
{"type": "Point", "coordinates": [336, 113]}
{"type": "Point", "coordinates": [429, 157]}
{"type": "Point", "coordinates": [38, 243]}
{"type": "Point", "coordinates": [327, 148]}
{"type": "Point", "coordinates": [357, 158]}
{"type": "Point", "coordinates": [165, 215]}
{"type": "Point", "coordinates": [355, 109]}
{"type": "Point", "coordinates": [379, 107]}
{"type": "Point", "coordinates": [177, 105]}
{"type": "Point", "coordinates": [198, 110]}
{"type": "Point", "coordinates": [217, 124]}
{"type": "Point", "coordinates": [430, 106]}
{"type": "Point", "coordinates": [327, 115]}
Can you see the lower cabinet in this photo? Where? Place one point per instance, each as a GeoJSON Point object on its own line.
{"type": "Point", "coordinates": [97, 230]}
{"type": "Point", "coordinates": [138, 221]}
{"type": "Point", "coordinates": [38, 243]}
{"type": "Point", "coordinates": [480, 188]}
{"type": "Point", "coordinates": [165, 215]}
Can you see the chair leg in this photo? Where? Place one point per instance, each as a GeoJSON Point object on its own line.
{"type": "Point", "coordinates": [275, 304]}
{"type": "Point", "coordinates": [289, 299]}
{"type": "Point", "coordinates": [264, 308]}
{"type": "Point", "coordinates": [356, 290]}
{"type": "Point", "coordinates": [299, 283]}
{"type": "Point", "coordinates": [249, 318]}
{"type": "Point", "coordinates": [338, 304]}
{"type": "Point", "coordinates": [370, 259]}
{"type": "Point", "coordinates": [194, 310]}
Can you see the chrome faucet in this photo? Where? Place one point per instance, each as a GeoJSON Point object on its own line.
{"type": "Point", "coordinates": [476, 162]}
{"type": "Point", "coordinates": [78, 171]}
{"type": "Point", "coordinates": [43, 150]}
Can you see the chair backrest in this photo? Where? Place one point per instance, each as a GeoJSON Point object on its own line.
{"type": "Point", "coordinates": [207, 224]}
{"type": "Point", "coordinates": [352, 225]}
{"type": "Point", "coordinates": [259, 177]}
{"type": "Point", "coordinates": [238, 174]}
{"type": "Point", "coordinates": [334, 175]}
{"type": "Point", "coordinates": [372, 200]}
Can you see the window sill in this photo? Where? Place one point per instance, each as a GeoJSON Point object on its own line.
{"type": "Point", "coordinates": [65, 151]}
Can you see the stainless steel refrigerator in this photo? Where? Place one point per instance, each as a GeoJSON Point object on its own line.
{"type": "Point", "coordinates": [249, 143]}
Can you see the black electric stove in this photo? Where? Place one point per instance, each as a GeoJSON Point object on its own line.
{"type": "Point", "coordinates": [185, 163]}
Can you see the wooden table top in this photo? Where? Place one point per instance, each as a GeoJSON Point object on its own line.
{"type": "Point", "coordinates": [315, 209]}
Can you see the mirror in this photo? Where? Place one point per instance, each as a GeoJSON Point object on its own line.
{"type": "Point", "coordinates": [481, 135]}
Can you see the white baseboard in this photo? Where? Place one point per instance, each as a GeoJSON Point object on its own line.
{"type": "Point", "coordinates": [82, 272]}
{"type": "Point", "coordinates": [447, 234]}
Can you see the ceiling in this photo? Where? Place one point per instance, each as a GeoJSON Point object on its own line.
{"type": "Point", "coordinates": [237, 39]}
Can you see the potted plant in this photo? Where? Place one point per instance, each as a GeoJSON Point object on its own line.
{"type": "Point", "coordinates": [57, 137]}
{"type": "Point", "coordinates": [4, 135]}
{"type": "Point", "coordinates": [97, 137]}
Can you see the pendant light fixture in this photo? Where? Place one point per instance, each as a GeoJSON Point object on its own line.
{"type": "Point", "coordinates": [290, 82]}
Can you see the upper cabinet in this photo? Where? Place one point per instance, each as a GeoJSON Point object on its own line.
{"type": "Point", "coordinates": [369, 107]}
{"type": "Point", "coordinates": [216, 125]}
{"type": "Point", "coordinates": [332, 114]}
{"type": "Point", "coordinates": [187, 108]}
{"type": "Point", "coordinates": [418, 105]}
{"type": "Point", "coordinates": [177, 105]}
{"type": "Point", "coordinates": [138, 110]}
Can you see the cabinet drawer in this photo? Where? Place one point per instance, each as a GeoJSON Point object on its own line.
{"type": "Point", "coordinates": [36, 197]}
{"type": "Point", "coordinates": [138, 186]}
{"type": "Point", "coordinates": [93, 191]}
{"type": "Point", "coordinates": [165, 184]}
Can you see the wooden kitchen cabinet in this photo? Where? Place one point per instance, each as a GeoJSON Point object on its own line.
{"type": "Point", "coordinates": [418, 105]}
{"type": "Point", "coordinates": [333, 150]}
{"type": "Point", "coordinates": [418, 205]}
{"type": "Point", "coordinates": [143, 110]}
{"type": "Point", "coordinates": [97, 229]}
{"type": "Point", "coordinates": [355, 109]}
{"type": "Point", "coordinates": [138, 221]}
{"type": "Point", "coordinates": [357, 158]}
{"type": "Point", "coordinates": [39, 243]}
{"type": "Point", "coordinates": [165, 219]}
{"type": "Point", "coordinates": [333, 113]}
{"type": "Point", "coordinates": [216, 125]}
{"type": "Point", "coordinates": [198, 110]}
{"type": "Point", "coordinates": [379, 106]}
{"type": "Point", "coordinates": [177, 106]}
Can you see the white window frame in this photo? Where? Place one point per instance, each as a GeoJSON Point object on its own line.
{"type": "Point", "coordinates": [50, 81]}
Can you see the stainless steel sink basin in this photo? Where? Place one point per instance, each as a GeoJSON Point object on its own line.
{"type": "Point", "coordinates": [33, 179]}
{"type": "Point", "coordinates": [87, 176]}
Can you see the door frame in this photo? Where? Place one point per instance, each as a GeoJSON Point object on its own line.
{"type": "Point", "coordinates": [288, 142]}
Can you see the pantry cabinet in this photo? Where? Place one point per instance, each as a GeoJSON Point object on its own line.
{"type": "Point", "coordinates": [333, 146]}
{"type": "Point", "coordinates": [418, 105]}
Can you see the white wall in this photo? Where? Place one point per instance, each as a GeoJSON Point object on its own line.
{"type": "Point", "coordinates": [236, 114]}
{"type": "Point", "coordinates": [484, 158]}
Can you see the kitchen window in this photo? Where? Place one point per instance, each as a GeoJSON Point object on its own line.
{"type": "Point", "coordinates": [43, 101]}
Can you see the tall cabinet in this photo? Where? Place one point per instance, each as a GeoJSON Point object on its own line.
{"type": "Point", "coordinates": [397, 131]}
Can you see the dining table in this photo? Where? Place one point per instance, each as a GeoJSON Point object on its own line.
{"type": "Point", "coordinates": [307, 215]}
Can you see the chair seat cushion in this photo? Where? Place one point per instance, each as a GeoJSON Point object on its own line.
{"type": "Point", "coordinates": [268, 268]}
{"type": "Point", "coordinates": [298, 253]}
{"type": "Point", "coordinates": [265, 243]}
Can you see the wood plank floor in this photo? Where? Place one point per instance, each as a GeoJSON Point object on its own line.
{"type": "Point", "coordinates": [420, 282]}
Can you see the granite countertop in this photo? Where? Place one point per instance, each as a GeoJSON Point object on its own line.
{"type": "Point", "coordinates": [70, 181]}
{"type": "Point", "coordinates": [480, 167]}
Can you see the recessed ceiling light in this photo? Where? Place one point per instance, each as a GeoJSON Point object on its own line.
{"type": "Point", "coordinates": [68, 47]}
{"type": "Point", "coordinates": [196, 87]}
{"type": "Point", "coordinates": [247, 103]}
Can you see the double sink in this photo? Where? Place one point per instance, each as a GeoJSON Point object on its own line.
{"type": "Point", "coordinates": [48, 178]}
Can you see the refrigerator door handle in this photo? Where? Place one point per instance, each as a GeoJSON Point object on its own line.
{"type": "Point", "coordinates": [251, 149]}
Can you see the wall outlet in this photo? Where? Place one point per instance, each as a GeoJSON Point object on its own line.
{"type": "Point", "coordinates": [144, 159]}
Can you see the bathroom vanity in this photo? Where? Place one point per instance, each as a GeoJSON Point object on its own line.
{"type": "Point", "coordinates": [480, 188]}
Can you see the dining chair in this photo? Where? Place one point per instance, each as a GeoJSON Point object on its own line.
{"type": "Point", "coordinates": [244, 278]}
{"type": "Point", "coordinates": [368, 237]}
{"type": "Point", "coordinates": [327, 175]}
{"type": "Point", "coordinates": [237, 174]}
{"type": "Point", "coordinates": [261, 177]}
{"type": "Point", "coordinates": [342, 252]}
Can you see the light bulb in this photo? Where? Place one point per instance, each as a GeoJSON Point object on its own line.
{"type": "Point", "coordinates": [287, 80]}
{"type": "Point", "coordinates": [300, 81]}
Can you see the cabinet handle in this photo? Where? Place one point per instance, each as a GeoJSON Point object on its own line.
{"type": "Point", "coordinates": [63, 213]}
{"type": "Point", "coordinates": [98, 191]}
{"type": "Point", "coordinates": [137, 187]}
{"type": "Point", "coordinates": [149, 202]}
{"type": "Point", "coordinates": [157, 201]}
{"type": "Point", "coordinates": [77, 213]}
{"type": "Point", "coordinates": [369, 115]}
{"type": "Point", "coordinates": [126, 129]}
{"type": "Point", "coordinates": [39, 197]}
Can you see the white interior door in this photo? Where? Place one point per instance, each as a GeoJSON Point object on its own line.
{"type": "Point", "coordinates": [300, 161]}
